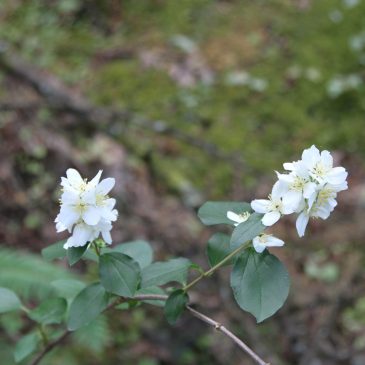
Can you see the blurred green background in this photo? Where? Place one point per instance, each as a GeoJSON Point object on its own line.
{"type": "Point", "coordinates": [185, 101]}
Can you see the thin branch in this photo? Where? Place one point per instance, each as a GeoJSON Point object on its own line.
{"type": "Point", "coordinates": [217, 266]}
{"type": "Point", "coordinates": [219, 327]}
{"type": "Point", "coordinates": [49, 347]}
{"type": "Point", "coordinates": [216, 325]}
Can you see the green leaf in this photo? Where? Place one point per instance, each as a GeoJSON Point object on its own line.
{"type": "Point", "coordinates": [160, 273]}
{"type": "Point", "coordinates": [216, 212]}
{"type": "Point", "coordinates": [175, 305]}
{"type": "Point", "coordinates": [260, 283]}
{"type": "Point", "coordinates": [218, 248]}
{"type": "Point", "coordinates": [152, 290]}
{"type": "Point", "coordinates": [74, 254]}
{"type": "Point", "coordinates": [67, 288]}
{"type": "Point", "coordinates": [50, 311]}
{"type": "Point", "coordinates": [87, 305]}
{"type": "Point", "coordinates": [25, 346]}
{"type": "Point", "coordinates": [55, 251]}
{"type": "Point", "coordinates": [119, 273]}
{"type": "Point", "coordinates": [138, 250]}
{"type": "Point", "coordinates": [9, 301]}
{"type": "Point", "coordinates": [94, 337]}
{"type": "Point", "coordinates": [248, 230]}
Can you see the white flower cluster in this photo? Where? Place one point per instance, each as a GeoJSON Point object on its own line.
{"type": "Point", "coordinates": [309, 189]}
{"type": "Point", "coordinates": [86, 209]}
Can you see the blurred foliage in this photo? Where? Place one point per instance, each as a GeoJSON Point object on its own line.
{"type": "Point", "coordinates": [263, 79]}
{"type": "Point", "coordinates": [260, 74]}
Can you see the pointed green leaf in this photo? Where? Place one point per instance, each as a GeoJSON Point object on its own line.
{"type": "Point", "coordinates": [248, 230]}
{"type": "Point", "coordinates": [260, 283]}
{"type": "Point", "coordinates": [74, 254]}
{"type": "Point", "coordinates": [87, 305]}
{"type": "Point", "coordinates": [55, 251]}
{"type": "Point", "coordinates": [25, 346]}
{"type": "Point", "coordinates": [139, 250]}
{"type": "Point", "coordinates": [9, 301]}
{"type": "Point", "coordinates": [160, 273]}
{"type": "Point", "coordinates": [119, 273]}
{"type": "Point", "coordinates": [50, 311]}
{"type": "Point", "coordinates": [175, 305]}
{"type": "Point", "coordinates": [218, 248]}
{"type": "Point", "coordinates": [216, 212]}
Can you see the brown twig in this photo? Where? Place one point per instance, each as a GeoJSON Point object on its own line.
{"type": "Point", "coordinates": [216, 325]}
{"type": "Point", "coordinates": [49, 347]}
{"type": "Point", "coordinates": [219, 327]}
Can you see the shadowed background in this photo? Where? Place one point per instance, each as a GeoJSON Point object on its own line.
{"type": "Point", "coordinates": [183, 102]}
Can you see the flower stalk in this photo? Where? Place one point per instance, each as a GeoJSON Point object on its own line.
{"type": "Point", "coordinates": [216, 267]}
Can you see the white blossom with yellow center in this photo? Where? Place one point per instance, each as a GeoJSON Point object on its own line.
{"type": "Point", "coordinates": [86, 209]}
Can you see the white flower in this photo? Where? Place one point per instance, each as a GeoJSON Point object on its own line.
{"type": "Point", "coordinates": [324, 204]}
{"type": "Point", "coordinates": [299, 186]}
{"type": "Point", "coordinates": [266, 240]}
{"type": "Point", "coordinates": [86, 210]}
{"type": "Point", "coordinates": [274, 207]}
{"type": "Point", "coordinates": [238, 218]}
{"type": "Point", "coordinates": [320, 167]}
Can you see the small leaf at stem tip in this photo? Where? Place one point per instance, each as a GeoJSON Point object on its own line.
{"type": "Point", "coordinates": [175, 305]}
{"type": "Point", "coordinates": [247, 231]}
{"type": "Point", "coordinates": [216, 212]}
{"type": "Point", "coordinates": [260, 283]}
{"type": "Point", "coordinates": [9, 301]}
{"type": "Point", "coordinates": [119, 274]}
{"type": "Point", "coordinates": [74, 254]}
{"type": "Point", "coordinates": [54, 251]}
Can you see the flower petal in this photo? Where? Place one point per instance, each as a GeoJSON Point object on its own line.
{"type": "Point", "coordinates": [260, 205]}
{"type": "Point", "coordinates": [310, 156]}
{"type": "Point", "coordinates": [80, 236]}
{"type": "Point", "coordinates": [68, 216]}
{"type": "Point", "coordinates": [327, 159]}
{"type": "Point", "coordinates": [274, 242]}
{"type": "Point", "coordinates": [91, 216]}
{"type": "Point", "coordinates": [301, 223]}
{"type": "Point", "coordinates": [233, 216]}
{"type": "Point", "coordinates": [308, 189]}
{"type": "Point", "coordinates": [279, 189]}
{"type": "Point", "coordinates": [74, 177]}
{"type": "Point", "coordinates": [106, 236]}
{"type": "Point", "coordinates": [337, 176]}
{"type": "Point", "coordinates": [291, 201]}
{"type": "Point", "coordinates": [105, 186]}
{"type": "Point", "coordinates": [270, 218]}
{"type": "Point", "coordinates": [95, 180]}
